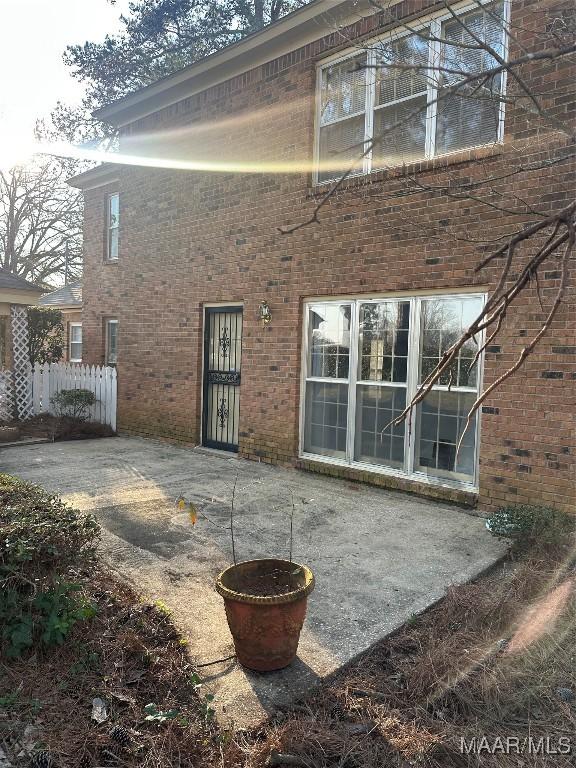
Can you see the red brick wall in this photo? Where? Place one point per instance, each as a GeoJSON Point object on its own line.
{"type": "Point", "coordinates": [104, 282]}
{"type": "Point", "coordinates": [192, 238]}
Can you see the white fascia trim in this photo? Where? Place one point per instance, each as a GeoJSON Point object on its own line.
{"type": "Point", "coordinates": [304, 26]}
{"type": "Point", "coordinates": [100, 176]}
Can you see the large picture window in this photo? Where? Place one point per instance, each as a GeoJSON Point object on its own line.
{"type": "Point", "coordinates": [364, 361]}
{"type": "Point", "coordinates": [408, 92]}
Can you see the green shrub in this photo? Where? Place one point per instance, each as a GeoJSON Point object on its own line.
{"type": "Point", "coordinates": [530, 526]}
{"type": "Point", "coordinates": [40, 530]}
{"type": "Point", "coordinates": [73, 402]}
{"type": "Point", "coordinates": [41, 541]}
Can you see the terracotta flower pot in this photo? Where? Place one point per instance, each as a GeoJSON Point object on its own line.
{"type": "Point", "coordinates": [265, 626]}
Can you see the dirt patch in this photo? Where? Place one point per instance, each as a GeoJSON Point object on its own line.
{"type": "Point", "coordinates": [129, 656]}
{"type": "Point", "coordinates": [55, 428]}
{"type": "Point", "coordinates": [494, 660]}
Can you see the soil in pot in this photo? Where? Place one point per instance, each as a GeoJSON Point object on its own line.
{"type": "Point", "coordinates": [274, 582]}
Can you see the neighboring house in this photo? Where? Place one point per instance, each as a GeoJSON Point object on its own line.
{"type": "Point", "coordinates": [68, 300]}
{"type": "Point", "coordinates": [181, 267]}
{"type": "Point", "coordinates": [14, 292]}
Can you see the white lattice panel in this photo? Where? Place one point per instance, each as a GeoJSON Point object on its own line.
{"type": "Point", "coordinates": [22, 368]}
{"type": "Point", "coordinates": [6, 396]}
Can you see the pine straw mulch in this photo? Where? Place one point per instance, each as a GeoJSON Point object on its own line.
{"type": "Point", "coordinates": [45, 426]}
{"type": "Point", "coordinates": [486, 661]}
{"type": "Point", "coordinates": [129, 655]}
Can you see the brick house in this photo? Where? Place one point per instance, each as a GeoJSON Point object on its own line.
{"type": "Point", "coordinates": [68, 299]}
{"type": "Point", "coordinates": [299, 348]}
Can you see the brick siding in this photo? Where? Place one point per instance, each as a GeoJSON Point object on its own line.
{"type": "Point", "coordinates": [187, 239]}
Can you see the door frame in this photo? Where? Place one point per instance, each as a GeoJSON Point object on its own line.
{"type": "Point", "coordinates": [208, 309]}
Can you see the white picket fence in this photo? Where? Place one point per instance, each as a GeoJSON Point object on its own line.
{"type": "Point", "coordinates": [49, 378]}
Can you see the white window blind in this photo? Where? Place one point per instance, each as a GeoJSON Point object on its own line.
{"type": "Point", "coordinates": [400, 101]}
{"type": "Point", "coordinates": [468, 116]}
{"type": "Point", "coordinates": [342, 118]}
{"type": "Point", "coordinates": [407, 96]}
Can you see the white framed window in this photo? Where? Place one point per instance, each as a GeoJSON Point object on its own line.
{"type": "Point", "coordinates": [75, 342]}
{"type": "Point", "coordinates": [364, 360]}
{"type": "Point", "coordinates": [112, 226]}
{"type": "Point", "coordinates": [416, 113]}
{"type": "Point", "coordinates": [111, 343]}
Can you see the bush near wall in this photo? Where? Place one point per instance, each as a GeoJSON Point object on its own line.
{"type": "Point", "coordinates": [44, 546]}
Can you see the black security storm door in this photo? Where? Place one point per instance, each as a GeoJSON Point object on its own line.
{"type": "Point", "coordinates": [222, 364]}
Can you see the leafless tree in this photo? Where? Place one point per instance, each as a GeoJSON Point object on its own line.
{"type": "Point", "coordinates": [469, 68]}
{"type": "Point", "coordinates": [40, 222]}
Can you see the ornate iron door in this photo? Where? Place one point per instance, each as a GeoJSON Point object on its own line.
{"type": "Point", "coordinates": [222, 364]}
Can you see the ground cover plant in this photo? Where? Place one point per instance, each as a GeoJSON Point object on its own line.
{"type": "Point", "coordinates": [43, 541]}
{"type": "Point", "coordinates": [89, 674]}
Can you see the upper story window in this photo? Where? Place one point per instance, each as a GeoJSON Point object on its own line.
{"type": "Point", "coordinates": [112, 224]}
{"type": "Point", "coordinates": [413, 95]}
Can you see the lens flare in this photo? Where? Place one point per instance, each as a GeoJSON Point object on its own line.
{"type": "Point", "coordinates": [63, 149]}
{"type": "Point", "coordinates": [15, 148]}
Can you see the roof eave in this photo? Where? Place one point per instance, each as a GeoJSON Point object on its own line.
{"type": "Point", "coordinates": [106, 173]}
{"type": "Point", "coordinates": [309, 23]}
{"type": "Point", "coordinates": [20, 295]}
{"type": "Point", "coordinates": [77, 305]}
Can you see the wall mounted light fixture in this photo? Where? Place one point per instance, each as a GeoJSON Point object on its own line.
{"type": "Point", "coordinates": [264, 313]}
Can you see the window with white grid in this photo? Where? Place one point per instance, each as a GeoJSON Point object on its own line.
{"type": "Point", "coordinates": [365, 360]}
{"type": "Point", "coordinates": [75, 342]}
{"type": "Point", "coordinates": [413, 95]}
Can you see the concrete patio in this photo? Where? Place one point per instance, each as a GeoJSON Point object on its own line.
{"type": "Point", "coordinates": [379, 557]}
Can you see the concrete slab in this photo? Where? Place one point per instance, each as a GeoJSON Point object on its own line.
{"type": "Point", "coordinates": [379, 557]}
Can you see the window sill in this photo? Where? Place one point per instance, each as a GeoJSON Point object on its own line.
{"type": "Point", "coordinates": [111, 261]}
{"type": "Point", "coordinates": [465, 493]}
{"type": "Point", "coordinates": [461, 157]}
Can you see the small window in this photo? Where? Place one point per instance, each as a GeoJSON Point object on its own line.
{"type": "Point", "coordinates": [111, 357]}
{"type": "Point", "coordinates": [75, 342]}
{"type": "Point", "coordinates": [112, 226]}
